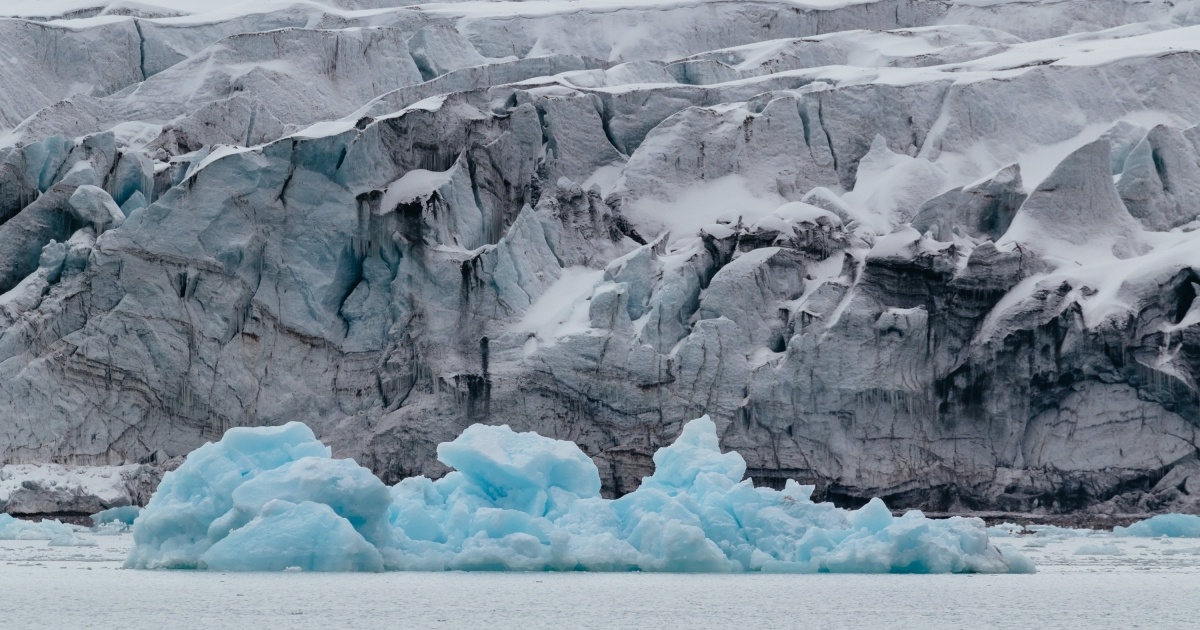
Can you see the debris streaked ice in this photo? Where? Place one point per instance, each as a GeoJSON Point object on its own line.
{"type": "Point", "coordinates": [268, 499]}
{"type": "Point", "coordinates": [941, 250]}
{"type": "Point", "coordinates": [124, 515]}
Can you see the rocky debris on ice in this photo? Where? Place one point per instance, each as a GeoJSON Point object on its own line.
{"type": "Point", "coordinates": [28, 489]}
{"type": "Point", "coordinates": [124, 515]}
{"type": "Point", "coordinates": [270, 499]}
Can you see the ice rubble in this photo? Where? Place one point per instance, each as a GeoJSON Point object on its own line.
{"type": "Point", "coordinates": [449, 249]}
{"type": "Point", "coordinates": [272, 498]}
{"type": "Point", "coordinates": [124, 515]}
{"type": "Point", "coordinates": [1099, 549]}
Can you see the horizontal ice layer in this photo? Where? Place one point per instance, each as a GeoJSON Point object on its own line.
{"type": "Point", "coordinates": [1169, 525]}
{"type": "Point", "coordinates": [267, 499]}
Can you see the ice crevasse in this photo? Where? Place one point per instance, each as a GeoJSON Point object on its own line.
{"type": "Point", "coordinates": [273, 498]}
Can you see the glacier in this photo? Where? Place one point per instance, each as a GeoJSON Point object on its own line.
{"type": "Point", "coordinates": [939, 252]}
{"type": "Point", "coordinates": [273, 498]}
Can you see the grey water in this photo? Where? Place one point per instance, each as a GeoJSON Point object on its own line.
{"type": "Point", "coordinates": [1149, 584]}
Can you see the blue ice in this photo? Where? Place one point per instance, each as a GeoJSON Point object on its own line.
{"type": "Point", "coordinates": [59, 534]}
{"type": "Point", "coordinates": [124, 515]}
{"type": "Point", "coordinates": [268, 499]}
{"type": "Point", "coordinates": [1169, 525]}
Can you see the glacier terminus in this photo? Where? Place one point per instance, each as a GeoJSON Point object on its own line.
{"type": "Point", "coordinates": [939, 252]}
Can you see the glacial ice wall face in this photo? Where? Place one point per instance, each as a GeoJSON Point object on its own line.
{"type": "Point", "coordinates": [937, 252]}
{"type": "Point", "coordinates": [269, 499]}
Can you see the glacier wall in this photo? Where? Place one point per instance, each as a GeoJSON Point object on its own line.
{"type": "Point", "coordinates": [939, 252]}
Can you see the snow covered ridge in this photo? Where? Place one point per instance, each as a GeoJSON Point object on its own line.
{"type": "Point", "coordinates": [943, 253]}
{"type": "Point", "coordinates": [28, 489]}
{"type": "Point", "coordinates": [269, 499]}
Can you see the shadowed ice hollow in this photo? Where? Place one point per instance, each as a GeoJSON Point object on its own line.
{"type": "Point", "coordinates": [272, 498]}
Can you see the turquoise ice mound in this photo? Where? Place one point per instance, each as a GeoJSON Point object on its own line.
{"type": "Point", "coordinates": [124, 515]}
{"type": "Point", "coordinates": [58, 534]}
{"type": "Point", "coordinates": [17, 529]}
{"type": "Point", "coordinates": [1169, 525]}
{"type": "Point", "coordinates": [273, 498]}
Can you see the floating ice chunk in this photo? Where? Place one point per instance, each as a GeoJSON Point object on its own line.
{"type": "Point", "coordinates": [272, 499]}
{"type": "Point", "coordinates": [59, 534]}
{"type": "Point", "coordinates": [17, 529]}
{"type": "Point", "coordinates": [1017, 562]}
{"type": "Point", "coordinates": [915, 544]}
{"type": "Point", "coordinates": [1169, 525]}
{"type": "Point", "coordinates": [315, 513]}
{"type": "Point", "coordinates": [1099, 549]}
{"type": "Point", "coordinates": [124, 515]}
{"type": "Point", "coordinates": [112, 528]}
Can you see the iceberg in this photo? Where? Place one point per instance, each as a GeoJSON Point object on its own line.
{"type": "Point", "coordinates": [1169, 525]}
{"type": "Point", "coordinates": [273, 498]}
{"type": "Point", "coordinates": [59, 534]}
{"type": "Point", "coordinates": [1099, 549]}
{"type": "Point", "coordinates": [124, 515]}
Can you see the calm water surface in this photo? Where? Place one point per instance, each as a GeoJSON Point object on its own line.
{"type": "Point", "coordinates": [1152, 584]}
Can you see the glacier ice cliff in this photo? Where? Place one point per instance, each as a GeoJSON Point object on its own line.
{"type": "Point", "coordinates": [271, 498]}
{"type": "Point", "coordinates": [939, 252]}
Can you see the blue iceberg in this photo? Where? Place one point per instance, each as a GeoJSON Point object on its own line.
{"type": "Point", "coordinates": [124, 515]}
{"type": "Point", "coordinates": [59, 534]}
{"type": "Point", "coordinates": [268, 499]}
{"type": "Point", "coordinates": [1169, 525]}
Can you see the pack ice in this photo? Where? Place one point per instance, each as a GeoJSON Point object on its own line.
{"type": "Point", "coordinates": [268, 499]}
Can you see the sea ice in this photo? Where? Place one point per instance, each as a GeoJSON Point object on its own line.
{"type": "Point", "coordinates": [1169, 525]}
{"type": "Point", "coordinates": [272, 498]}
